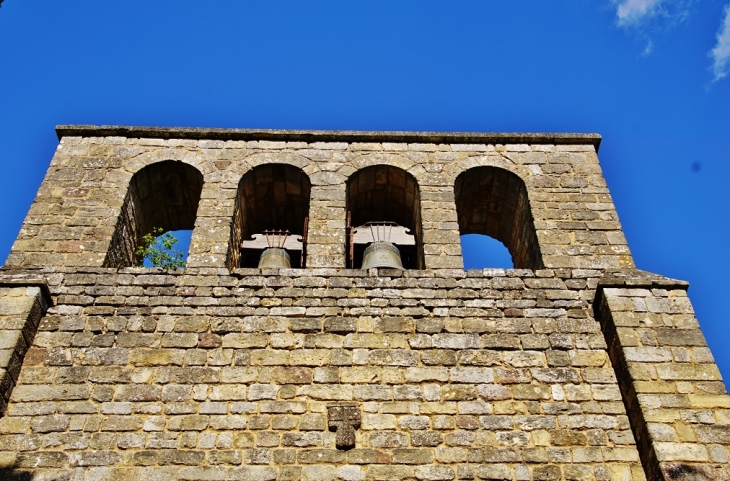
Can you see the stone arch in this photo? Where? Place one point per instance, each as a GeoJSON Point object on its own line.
{"type": "Point", "coordinates": [244, 165]}
{"type": "Point", "coordinates": [269, 196]}
{"type": "Point", "coordinates": [155, 155]}
{"type": "Point", "coordinates": [382, 158]}
{"type": "Point", "coordinates": [455, 169]}
{"type": "Point", "coordinates": [386, 193]}
{"type": "Point", "coordinates": [493, 201]}
{"type": "Point", "coordinates": [370, 160]}
{"type": "Point", "coordinates": [161, 195]}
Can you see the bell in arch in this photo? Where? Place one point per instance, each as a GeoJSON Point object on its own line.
{"type": "Point", "coordinates": [382, 252]}
{"type": "Point", "coordinates": [275, 256]}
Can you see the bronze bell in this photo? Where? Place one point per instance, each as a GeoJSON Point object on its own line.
{"type": "Point", "coordinates": [382, 254]}
{"type": "Point", "coordinates": [274, 258]}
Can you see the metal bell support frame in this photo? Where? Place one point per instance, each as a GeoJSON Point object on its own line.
{"type": "Point", "coordinates": [381, 253]}
{"type": "Point", "coordinates": [275, 256]}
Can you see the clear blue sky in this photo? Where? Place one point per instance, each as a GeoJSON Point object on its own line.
{"type": "Point", "coordinates": [639, 72]}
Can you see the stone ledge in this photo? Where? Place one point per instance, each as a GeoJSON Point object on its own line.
{"type": "Point", "coordinates": [37, 276]}
{"type": "Point", "coordinates": [639, 278]}
{"type": "Point", "coordinates": [329, 135]}
{"type": "Point", "coordinates": [26, 278]}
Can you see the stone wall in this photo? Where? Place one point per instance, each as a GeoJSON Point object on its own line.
{"type": "Point", "coordinates": [480, 375]}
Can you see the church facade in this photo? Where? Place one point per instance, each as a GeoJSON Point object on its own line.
{"type": "Point", "coordinates": [574, 365]}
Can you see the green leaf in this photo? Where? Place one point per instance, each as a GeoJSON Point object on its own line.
{"type": "Point", "coordinates": [158, 247]}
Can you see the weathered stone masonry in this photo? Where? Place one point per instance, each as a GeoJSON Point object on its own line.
{"type": "Point", "coordinates": [215, 372]}
{"type": "Point", "coordinates": [671, 386]}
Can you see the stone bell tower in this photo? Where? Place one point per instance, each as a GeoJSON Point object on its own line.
{"type": "Point", "coordinates": [574, 365]}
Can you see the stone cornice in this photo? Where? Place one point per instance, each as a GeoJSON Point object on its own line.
{"type": "Point", "coordinates": [329, 135]}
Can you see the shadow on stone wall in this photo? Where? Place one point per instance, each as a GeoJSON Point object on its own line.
{"type": "Point", "coordinates": [10, 474]}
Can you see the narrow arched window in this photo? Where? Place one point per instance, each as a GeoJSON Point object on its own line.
{"type": "Point", "coordinates": [271, 212]}
{"type": "Point", "coordinates": [493, 202]}
{"type": "Point", "coordinates": [161, 197]}
{"type": "Point", "coordinates": [383, 205]}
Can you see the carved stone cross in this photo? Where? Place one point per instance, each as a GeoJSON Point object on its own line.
{"type": "Point", "coordinates": [344, 419]}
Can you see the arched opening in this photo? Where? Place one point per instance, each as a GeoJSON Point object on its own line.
{"type": "Point", "coordinates": [387, 196]}
{"type": "Point", "coordinates": [161, 197]}
{"type": "Point", "coordinates": [493, 202]}
{"type": "Point", "coordinates": [480, 251]}
{"type": "Point", "coordinates": [272, 207]}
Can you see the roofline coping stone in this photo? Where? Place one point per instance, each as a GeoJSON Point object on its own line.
{"type": "Point", "coordinates": [329, 135]}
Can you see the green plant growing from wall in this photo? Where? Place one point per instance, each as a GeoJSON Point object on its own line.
{"type": "Point", "coordinates": [158, 247]}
